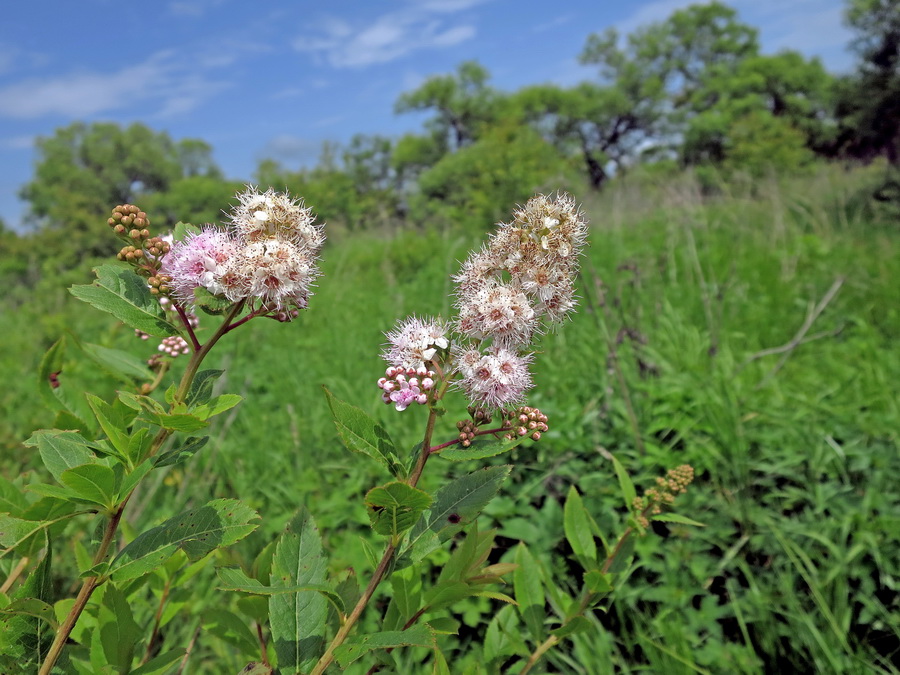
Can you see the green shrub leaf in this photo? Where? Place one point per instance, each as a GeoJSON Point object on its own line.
{"type": "Point", "coordinates": [122, 293]}
{"type": "Point", "coordinates": [360, 433]}
{"type": "Point", "coordinates": [395, 507]}
{"type": "Point", "coordinates": [420, 635]}
{"type": "Point", "coordinates": [197, 532]}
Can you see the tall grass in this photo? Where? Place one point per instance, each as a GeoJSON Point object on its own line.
{"type": "Point", "coordinates": [751, 333]}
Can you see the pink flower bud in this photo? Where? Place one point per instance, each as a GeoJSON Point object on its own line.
{"type": "Point", "coordinates": [381, 381]}
{"type": "Point", "coordinates": [422, 399]}
{"type": "Point", "coordinates": [427, 383]}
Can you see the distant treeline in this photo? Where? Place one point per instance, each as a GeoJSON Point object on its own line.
{"type": "Point", "coordinates": [691, 91]}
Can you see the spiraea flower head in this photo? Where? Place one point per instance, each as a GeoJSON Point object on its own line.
{"type": "Point", "coordinates": [498, 311]}
{"type": "Point", "coordinates": [199, 260]}
{"type": "Point", "coordinates": [275, 215]}
{"type": "Point", "coordinates": [415, 341]}
{"type": "Point", "coordinates": [498, 379]}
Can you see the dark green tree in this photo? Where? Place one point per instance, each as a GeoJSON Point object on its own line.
{"type": "Point", "coordinates": [869, 100]}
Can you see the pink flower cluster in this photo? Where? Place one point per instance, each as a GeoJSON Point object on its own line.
{"type": "Point", "coordinates": [404, 386]}
{"type": "Point", "coordinates": [267, 255]}
{"type": "Point", "coordinates": [174, 346]}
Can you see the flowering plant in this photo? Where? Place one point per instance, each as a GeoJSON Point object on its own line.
{"type": "Point", "coordinates": [308, 619]}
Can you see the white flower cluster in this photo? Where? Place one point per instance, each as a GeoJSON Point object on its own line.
{"type": "Point", "coordinates": [522, 278]}
{"type": "Point", "coordinates": [506, 292]}
{"type": "Point", "coordinates": [267, 255]}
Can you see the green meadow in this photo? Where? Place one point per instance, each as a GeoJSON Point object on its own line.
{"type": "Point", "coordinates": [748, 330]}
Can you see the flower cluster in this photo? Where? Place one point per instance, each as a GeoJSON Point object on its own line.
{"type": "Point", "coordinates": [404, 386]}
{"type": "Point", "coordinates": [415, 342]}
{"type": "Point", "coordinates": [675, 483]}
{"type": "Point", "coordinates": [174, 346]}
{"type": "Point", "coordinates": [525, 421]}
{"type": "Point", "coordinates": [509, 289]}
{"type": "Point", "coordinates": [506, 293]}
{"type": "Point", "coordinates": [266, 255]}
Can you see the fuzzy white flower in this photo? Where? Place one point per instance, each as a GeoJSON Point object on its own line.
{"type": "Point", "coordinates": [498, 379]}
{"type": "Point", "coordinates": [415, 341]}
{"type": "Point", "coordinates": [275, 215]}
{"type": "Point", "coordinates": [200, 260]}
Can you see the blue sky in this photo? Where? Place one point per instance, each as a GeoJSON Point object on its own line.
{"type": "Point", "coordinates": [276, 78]}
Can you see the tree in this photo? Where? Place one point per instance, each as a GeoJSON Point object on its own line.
{"type": "Point", "coordinates": [869, 100]}
{"type": "Point", "coordinates": [84, 170]}
{"type": "Point", "coordinates": [463, 103]}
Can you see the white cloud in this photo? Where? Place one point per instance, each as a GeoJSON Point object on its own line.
{"type": "Point", "coordinates": [421, 25]}
{"type": "Point", "coordinates": [159, 82]}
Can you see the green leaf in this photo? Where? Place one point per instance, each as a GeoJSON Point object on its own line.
{"type": "Point", "coordinates": [182, 453]}
{"type": "Point", "coordinates": [61, 450]}
{"type": "Point", "coordinates": [119, 362]}
{"type": "Point", "coordinates": [181, 230]}
{"type": "Point", "coordinates": [202, 387]}
{"type": "Point", "coordinates": [160, 665]}
{"type": "Point", "coordinates": [625, 484]}
{"type": "Point", "coordinates": [122, 293]}
{"type": "Point", "coordinates": [598, 582]}
{"type": "Point", "coordinates": [12, 501]}
{"type": "Point", "coordinates": [25, 626]}
{"type": "Point", "coordinates": [445, 594]}
{"type": "Point", "coordinates": [481, 448]}
{"type": "Point", "coordinates": [49, 371]}
{"type": "Point", "coordinates": [675, 518]}
{"type": "Point", "coordinates": [130, 480]}
{"type": "Point", "coordinates": [118, 630]}
{"type": "Point", "coordinates": [180, 422]}
{"type": "Point", "coordinates": [529, 592]}
{"type": "Point", "coordinates": [197, 532]}
{"type": "Point", "coordinates": [217, 405]}
{"type": "Point", "coordinates": [297, 619]}
{"type": "Point", "coordinates": [623, 555]}
{"type": "Point", "coordinates": [234, 579]}
{"type": "Point", "coordinates": [114, 420]}
{"type": "Point", "coordinates": [95, 483]}
{"type": "Point", "coordinates": [360, 433]}
{"type": "Point", "coordinates": [577, 624]}
{"type": "Point", "coordinates": [395, 507]}
{"type": "Point", "coordinates": [354, 647]}
{"type": "Point", "coordinates": [577, 526]}
{"type": "Point", "coordinates": [455, 505]}
{"type": "Point", "coordinates": [209, 303]}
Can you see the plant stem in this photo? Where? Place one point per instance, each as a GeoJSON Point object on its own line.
{"type": "Point", "coordinates": [586, 600]}
{"type": "Point", "coordinates": [91, 583]}
{"type": "Point", "coordinates": [386, 559]}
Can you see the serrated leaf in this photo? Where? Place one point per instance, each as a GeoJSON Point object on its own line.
{"type": "Point", "coordinates": [675, 518]}
{"type": "Point", "coordinates": [577, 624]}
{"type": "Point", "coordinates": [197, 532]}
{"type": "Point", "coordinates": [455, 505]}
{"type": "Point", "coordinates": [297, 619]}
{"type": "Point", "coordinates": [12, 501]}
{"type": "Point", "coordinates": [95, 483]}
{"type": "Point", "coordinates": [354, 647]}
{"type": "Point", "coordinates": [209, 303]}
{"type": "Point", "coordinates": [481, 448]}
{"type": "Point", "coordinates": [577, 527]}
{"type": "Point", "coordinates": [118, 362]}
{"type": "Point", "coordinates": [61, 450]}
{"type": "Point", "coordinates": [360, 433]}
{"type": "Point", "coordinates": [395, 507]}
{"type": "Point", "coordinates": [180, 422]}
{"type": "Point", "coordinates": [115, 422]}
{"type": "Point", "coordinates": [625, 484]}
{"type": "Point", "coordinates": [130, 481]}
{"type": "Point", "coordinates": [234, 579]}
{"type": "Point", "coordinates": [182, 453]}
{"type": "Point", "coordinates": [122, 293]}
{"type": "Point", "coordinates": [529, 592]}
{"type": "Point", "coordinates": [202, 387]}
